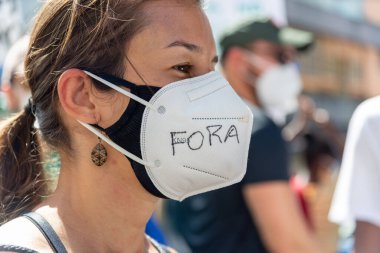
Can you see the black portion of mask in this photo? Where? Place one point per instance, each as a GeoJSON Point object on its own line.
{"type": "Point", "coordinates": [126, 131]}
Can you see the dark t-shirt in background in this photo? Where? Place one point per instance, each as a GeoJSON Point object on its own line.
{"type": "Point", "coordinates": [219, 221]}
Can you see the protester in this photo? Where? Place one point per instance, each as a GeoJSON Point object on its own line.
{"type": "Point", "coordinates": [355, 197]}
{"type": "Point", "coordinates": [123, 144]}
{"type": "Point", "coordinates": [12, 80]}
{"type": "Point", "coordinates": [322, 161]}
{"type": "Point", "coordinates": [316, 146]}
{"type": "Point", "coordinates": [260, 214]}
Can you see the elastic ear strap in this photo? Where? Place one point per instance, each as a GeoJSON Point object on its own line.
{"type": "Point", "coordinates": [117, 88]}
{"type": "Point", "coordinates": [115, 146]}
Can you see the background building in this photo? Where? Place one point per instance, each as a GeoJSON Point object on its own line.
{"type": "Point", "coordinates": [343, 67]}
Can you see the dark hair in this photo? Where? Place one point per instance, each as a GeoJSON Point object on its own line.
{"type": "Point", "coordinates": [67, 34]}
{"type": "Point", "coordinates": [248, 33]}
{"type": "Point", "coordinates": [316, 148]}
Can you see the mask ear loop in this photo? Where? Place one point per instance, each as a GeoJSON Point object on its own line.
{"type": "Point", "coordinates": [115, 146]}
{"type": "Point", "coordinates": [122, 91]}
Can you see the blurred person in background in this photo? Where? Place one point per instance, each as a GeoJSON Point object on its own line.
{"type": "Point", "coordinates": [261, 213]}
{"type": "Point", "coordinates": [15, 90]}
{"type": "Point", "coordinates": [356, 195]}
{"type": "Point", "coordinates": [317, 147]}
{"type": "Point", "coordinates": [309, 118]}
{"type": "Point", "coordinates": [321, 162]}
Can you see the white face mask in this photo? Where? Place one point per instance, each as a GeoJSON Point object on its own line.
{"type": "Point", "coordinates": [278, 89]}
{"type": "Point", "coordinates": [194, 136]}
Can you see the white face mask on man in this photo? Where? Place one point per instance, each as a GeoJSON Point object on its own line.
{"type": "Point", "coordinates": [278, 88]}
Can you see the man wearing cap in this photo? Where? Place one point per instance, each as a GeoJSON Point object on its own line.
{"type": "Point", "coordinates": [259, 214]}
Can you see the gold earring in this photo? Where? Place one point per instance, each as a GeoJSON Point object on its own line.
{"type": "Point", "coordinates": [99, 154]}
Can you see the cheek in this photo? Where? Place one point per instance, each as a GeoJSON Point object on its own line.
{"type": "Point", "coordinates": [160, 78]}
{"type": "Point", "coordinates": [148, 72]}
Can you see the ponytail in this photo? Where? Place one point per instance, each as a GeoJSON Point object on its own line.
{"type": "Point", "coordinates": [22, 180]}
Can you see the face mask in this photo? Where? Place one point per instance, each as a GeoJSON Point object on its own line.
{"type": "Point", "coordinates": [278, 87]}
{"type": "Point", "coordinates": [185, 138]}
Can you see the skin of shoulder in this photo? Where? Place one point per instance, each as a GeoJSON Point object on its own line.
{"type": "Point", "coordinates": [21, 232]}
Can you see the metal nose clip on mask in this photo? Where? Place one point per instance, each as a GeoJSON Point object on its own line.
{"type": "Point", "coordinates": [185, 138]}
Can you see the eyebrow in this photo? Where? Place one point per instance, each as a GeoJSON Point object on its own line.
{"type": "Point", "coordinates": [187, 45]}
{"type": "Point", "coordinates": [191, 47]}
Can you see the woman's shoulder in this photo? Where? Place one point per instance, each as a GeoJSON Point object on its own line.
{"type": "Point", "coordinates": [22, 233]}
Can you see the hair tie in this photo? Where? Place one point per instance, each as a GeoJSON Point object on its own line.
{"type": "Point", "coordinates": [30, 107]}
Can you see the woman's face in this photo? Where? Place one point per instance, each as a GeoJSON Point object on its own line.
{"type": "Point", "coordinates": [177, 44]}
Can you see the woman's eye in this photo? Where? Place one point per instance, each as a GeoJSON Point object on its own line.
{"type": "Point", "coordinates": [183, 68]}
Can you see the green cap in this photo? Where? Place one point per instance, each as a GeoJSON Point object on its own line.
{"type": "Point", "coordinates": [266, 30]}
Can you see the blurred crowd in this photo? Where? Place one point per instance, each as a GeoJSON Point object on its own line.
{"type": "Point", "coordinates": [289, 199]}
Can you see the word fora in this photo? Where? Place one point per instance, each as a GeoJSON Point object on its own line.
{"type": "Point", "coordinates": [196, 139]}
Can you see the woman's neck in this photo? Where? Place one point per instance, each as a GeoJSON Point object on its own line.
{"type": "Point", "coordinates": [100, 209]}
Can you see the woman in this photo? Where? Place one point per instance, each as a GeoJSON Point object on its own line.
{"type": "Point", "coordinates": [120, 144]}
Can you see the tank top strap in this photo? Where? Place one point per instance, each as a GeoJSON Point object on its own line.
{"type": "Point", "coordinates": [18, 249]}
{"type": "Point", "coordinates": [159, 247]}
{"type": "Point", "coordinates": [47, 231]}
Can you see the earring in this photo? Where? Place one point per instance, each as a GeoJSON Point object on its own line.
{"type": "Point", "coordinates": [99, 154]}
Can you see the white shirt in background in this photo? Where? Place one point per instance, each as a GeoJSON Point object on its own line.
{"type": "Point", "coordinates": [357, 194]}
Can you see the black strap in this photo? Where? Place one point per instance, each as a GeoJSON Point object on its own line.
{"type": "Point", "coordinates": [18, 249]}
{"type": "Point", "coordinates": [48, 232]}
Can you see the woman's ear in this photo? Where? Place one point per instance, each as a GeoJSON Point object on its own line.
{"type": "Point", "coordinates": [76, 96]}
